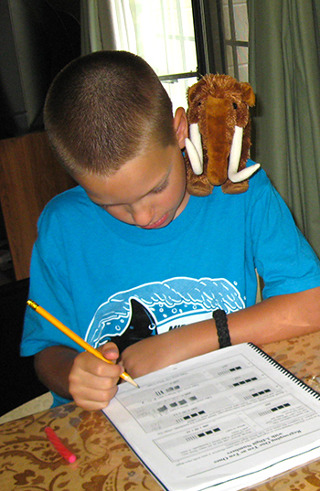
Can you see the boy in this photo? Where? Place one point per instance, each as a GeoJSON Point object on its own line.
{"type": "Point", "coordinates": [135, 265]}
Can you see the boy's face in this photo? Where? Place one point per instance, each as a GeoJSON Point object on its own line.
{"type": "Point", "coordinates": [148, 191]}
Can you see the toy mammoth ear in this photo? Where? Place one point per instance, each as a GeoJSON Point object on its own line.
{"type": "Point", "coordinates": [191, 91]}
{"type": "Point", "coordinates": [247, 94]}
{"type": "Point", "coordinates": [194, 89]}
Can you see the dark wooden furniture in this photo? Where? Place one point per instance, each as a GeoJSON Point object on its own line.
{"type": "Point", "coordinates": [29, 177]}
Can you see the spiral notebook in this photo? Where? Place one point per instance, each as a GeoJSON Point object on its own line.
{"type": "Point", "coordinates": [226, 420]}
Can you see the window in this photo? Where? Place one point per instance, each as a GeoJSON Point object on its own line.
{"type": "Point", "coordinates": [161, 32]}
{"type": "Point", "coordinates": [235, 24]}
{"type": "Point", "coordinates": [184, 39]}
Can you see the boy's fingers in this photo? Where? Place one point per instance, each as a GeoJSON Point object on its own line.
{"type": "Point", "coordinates": [91, 399]}
{"type": "Point", "coordinates": [86, 363]}
{"type": "Point", "coordinates": [110, 351]}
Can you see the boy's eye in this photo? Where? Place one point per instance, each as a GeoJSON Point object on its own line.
{"type": "Point", "coordinates": [161, 188]}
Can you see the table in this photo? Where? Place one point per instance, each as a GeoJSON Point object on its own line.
{"type": "Point", "coordinates": [104, 462]}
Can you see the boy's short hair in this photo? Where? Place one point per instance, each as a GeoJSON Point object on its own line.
{"type": "Point", "coordinates": [103, 109]}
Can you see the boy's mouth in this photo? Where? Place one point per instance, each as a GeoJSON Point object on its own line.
{"type": "Point", "coordinates": [158, 223]}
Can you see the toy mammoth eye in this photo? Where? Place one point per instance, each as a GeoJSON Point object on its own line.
{"type": "Point", "coordinates": [199, 103]}
{"type": "Point", "coordinates": [235, 105]}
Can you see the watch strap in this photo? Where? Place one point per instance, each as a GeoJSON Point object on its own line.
{"type": "Point", "coordinates": [221, 320]}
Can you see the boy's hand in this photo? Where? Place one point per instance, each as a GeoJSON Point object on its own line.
{"type": "Point", "coordinates": [93, 383]}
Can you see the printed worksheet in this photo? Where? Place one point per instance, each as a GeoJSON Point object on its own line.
{"type": "Point", "coordinates": [225, 420]}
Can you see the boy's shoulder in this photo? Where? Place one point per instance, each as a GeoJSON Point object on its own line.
{"type": "Point", "coordinates": [260, 177]}
{"type": "Point", "coordinates": [259, 183]}
{"type": "Point", "coordinates": [69, 198]}
{"type": "Point", "coordinates": [69, 203]}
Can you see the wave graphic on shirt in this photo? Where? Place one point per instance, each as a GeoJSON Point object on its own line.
{"type": "Point", "coordinates": [157, 307]}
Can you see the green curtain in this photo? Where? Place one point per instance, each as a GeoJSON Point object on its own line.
{"type": "Point", "coordinates": [97, 30]}
{"type": "Point", "coordinates": [284, 71]}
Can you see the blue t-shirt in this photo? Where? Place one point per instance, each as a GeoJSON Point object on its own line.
{"type": "Point", "coordinates": [109, 280]}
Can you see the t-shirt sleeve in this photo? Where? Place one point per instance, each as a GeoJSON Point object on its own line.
{"type": "Point", "coordinates": [48, 288]}
{"type": "Point", "coordinates": [283, 257]}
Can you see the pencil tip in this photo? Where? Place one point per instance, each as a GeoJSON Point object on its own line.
{"type": "Point", "coordinates": [127, 378]}
{"type": "Point", "coordinates": [133, 382]}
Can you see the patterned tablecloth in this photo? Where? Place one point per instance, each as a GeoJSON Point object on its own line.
{"type": "Point", "coordinates": [104, 462]}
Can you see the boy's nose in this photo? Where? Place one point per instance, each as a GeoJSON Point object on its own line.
{"type": "Point", "coordinates": [142, 215]}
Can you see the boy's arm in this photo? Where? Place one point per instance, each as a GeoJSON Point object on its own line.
{"type": "Point", "coordinates": [79, 376]}
{"type": "Point", "coordinates": [52, 366]}
{"type": "Point", "coordinates": [274, 319]}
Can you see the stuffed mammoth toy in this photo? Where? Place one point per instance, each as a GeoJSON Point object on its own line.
{"type": "Point", "coordinates": [219, 135]}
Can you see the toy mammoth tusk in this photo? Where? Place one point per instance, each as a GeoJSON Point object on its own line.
{"type": "Point", "coordinates": [234, 159]}
{"type": "Point", "coordinates": [194, 149]}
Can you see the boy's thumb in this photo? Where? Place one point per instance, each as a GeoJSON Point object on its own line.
{"type": "Point", "coordinates": [110, 351]}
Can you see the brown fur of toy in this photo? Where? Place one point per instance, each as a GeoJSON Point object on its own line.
{"type": "Point", "coordinates": [218, 103]}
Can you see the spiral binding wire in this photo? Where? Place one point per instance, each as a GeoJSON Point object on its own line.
{"type": "Point", "coordinates": [287, 372]}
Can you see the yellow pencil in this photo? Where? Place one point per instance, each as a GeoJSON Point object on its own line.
{"type": "Point", "coordinates": [72, 335]}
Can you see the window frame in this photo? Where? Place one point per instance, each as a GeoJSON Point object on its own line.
{"type": "Point", "coordinates": [209, 36]}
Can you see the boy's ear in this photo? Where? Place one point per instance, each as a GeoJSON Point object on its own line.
{"type": "Point", "coordinates": [180, 124]}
